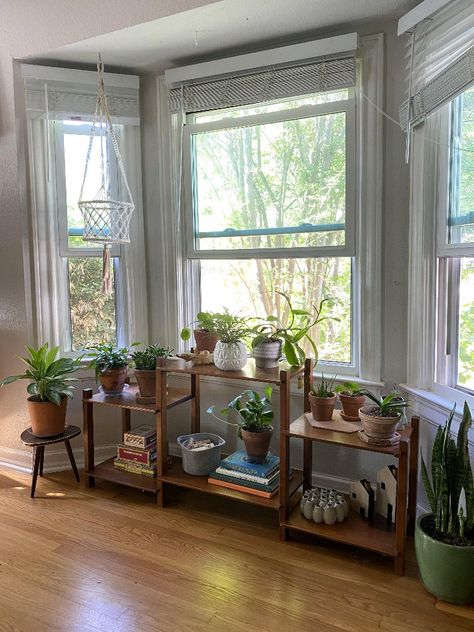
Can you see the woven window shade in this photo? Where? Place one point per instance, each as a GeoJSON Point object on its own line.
{"type": "Point", "coordinates": [443, 61]}
{"type": "Point", "coordinates": [258, 87]}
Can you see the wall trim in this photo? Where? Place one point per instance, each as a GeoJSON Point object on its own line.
{"type": "Point", "coordinates": [54, 460]}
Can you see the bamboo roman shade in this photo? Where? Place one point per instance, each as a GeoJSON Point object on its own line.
{"type": "Point", "coordinates": [258, 86]}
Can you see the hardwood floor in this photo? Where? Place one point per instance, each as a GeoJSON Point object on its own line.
{"type": "Point", "coordinates": [109, 559]}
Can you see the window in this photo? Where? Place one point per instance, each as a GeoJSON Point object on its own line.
{"type": "Point", "coordinates": [270, 203]}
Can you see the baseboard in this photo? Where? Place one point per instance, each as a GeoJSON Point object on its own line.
{"type": "Point", "coordinates": [54, 460]}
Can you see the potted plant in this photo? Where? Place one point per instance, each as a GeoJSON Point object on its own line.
{"type": "Point", "coordinates": [49, 388]}
{"type": "Point", "coordinates": [271, 335]}
{"type": "Point", "coordinates": [110, 365]}
{"type": "Point", "coordinates": [254, 418]}
{"type": "Point", "coordinates": [322, 399]}
{"type": "Point", "coordinates": [381, 421]}
{"type": "Point", "coordinates": [205, 334]}
{"type": "Point", "coordinates": [230, 353]}
{"type": "Point", "coordinates": [352, 398]}
{"type": "Point", "coordinates": [145, 368]}
{"type": "Point", "coordinates": [444, 539]}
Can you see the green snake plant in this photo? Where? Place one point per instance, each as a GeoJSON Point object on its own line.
{"type": "Point", "coordinates": [451, 473]}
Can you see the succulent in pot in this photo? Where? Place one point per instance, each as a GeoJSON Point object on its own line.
{"type": "Point", "coordinates": [254, 416]}
{"type": "Point", "coordinates": [111, 366]}
{"type": "Point", "coordinates": [273, 335]}
{"type": "Point", "coordinates": [444, 539]}
{"type": "Point", "coordinates": [352, 399]}
{"type": "Point", "coordinates": [50, 387]}
{"type": "Point", "coordinates": [322, 399]}
{"type": "Point", "coordinates": [205, 331]}
{"type": "Point", "coordinates": [145, 368]}
{"type": "Point", "coordinates": [380, 421]}
{"type": "Point", "coordinates": [230, 353]}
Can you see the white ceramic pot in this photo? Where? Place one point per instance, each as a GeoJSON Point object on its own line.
{"type": "Point", "coordinates": [267, 354]}
{"type": "Point", "coordinates": [230, 356]}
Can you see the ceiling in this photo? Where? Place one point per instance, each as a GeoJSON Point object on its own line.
{"type": "Point", "coordinates": [218, 28]}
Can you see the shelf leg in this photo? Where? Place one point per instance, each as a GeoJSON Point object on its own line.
{"type": "Point", "coordinates": [401, 512]}
{"type": "Point", "coordinates": [283, 533]}
{"type": "Point", "coordinates": [195, 403]}
{"type": "Point", "coordinates": [161, 434]}
{"type": "Point", "coordinates": [88, 435]}
{"type": "Point", "coordinates": [413, 476]}
{"type": "Point", "coordinates": [284, 447]}
{"type": "Point", "coordinates": [307, 445]}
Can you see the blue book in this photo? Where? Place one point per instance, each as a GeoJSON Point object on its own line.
{"type": "Point", "coordinates": [214, 476]}
{"type": "Point", "coordinates": [238, 462]}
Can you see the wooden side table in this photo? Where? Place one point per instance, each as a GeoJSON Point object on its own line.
{"type": "Point", "coordinates": [39, 443]}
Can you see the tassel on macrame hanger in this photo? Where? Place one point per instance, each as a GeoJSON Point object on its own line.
{"type": "Point", "coordinates": [107, 285]}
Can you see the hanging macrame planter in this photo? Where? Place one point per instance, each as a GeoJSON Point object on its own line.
{"type": "Point", "coordinates": [106, 220]}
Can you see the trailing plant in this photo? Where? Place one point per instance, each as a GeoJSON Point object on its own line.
{"type": "Point", "coordinates": [349, 389]}
{"type": "Point", "coordinates": [324, 387]}
{"type": "Point", "coordinates": [145, 360]}
{"type": "Point", "coordinates": [205, 321]}
{"type": "Point", "coordinates": [392, 405]}
{"type": "Point", "coordinates": [254, 413]}
{"type": "Point", "coordinates": [231, 329]}
{"type": "Point", "coordinates": [294, 332]}
{"type": "Point", "coordinates": [49, 376]}
{"type": "Point", "coordinates": [105, 356]}
{"type": "Point", "coordinates": [451, 473]}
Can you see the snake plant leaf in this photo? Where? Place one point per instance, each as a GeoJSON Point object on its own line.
{"type": "Point", "coordinates": [427, 485]}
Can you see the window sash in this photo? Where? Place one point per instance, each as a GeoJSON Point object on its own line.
{"type": "Point", "coordinates": [348, 249]}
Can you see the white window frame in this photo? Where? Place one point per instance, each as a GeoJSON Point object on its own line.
{"type": "Point", "coordinates": [368, 229]}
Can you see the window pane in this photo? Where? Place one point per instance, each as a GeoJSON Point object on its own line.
{"type": "Point", "coordinates": [272, 178]}
{"type": "Point", "coordinates": [92, 313]}
{"type": "Point", "coordinates": [461, 220]}
{"type": "Point", "coordinates": [466, 325]}
{"type": "Point", "coordinates": [275, 106]}
{"type": "Point", "coordinates": [248, 287]}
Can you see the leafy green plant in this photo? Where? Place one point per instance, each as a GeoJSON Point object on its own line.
{"type": "Point", "coordinates": [50, 378]}
{"type": "Point", "coordinates": [451, 473]}
{"type": "Point", "coordinates": [294, 332]}
{"type": "Point", "coordinates": [392, 405]}
{"type": "Point", "coordinates": [145, 360]}
{"type": "Point", "coordinates": [105, 356]}
{"type": "Point", "coordinates": [349, 389]}
{"type": "Point", "coordinates": [205, 321]}
{"type": "Point", "coordinates": [324, 387]}
{"type": "Point", "coordinates": [254, 413]}
{"type": "Point", "coordinates": [231, 329]}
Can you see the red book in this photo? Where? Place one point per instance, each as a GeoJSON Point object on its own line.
{"type": "Point", "coordinates": [145, 456]}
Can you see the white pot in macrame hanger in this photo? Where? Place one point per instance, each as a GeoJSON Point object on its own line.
{"type": "Point", "coordinates": [106, 220]}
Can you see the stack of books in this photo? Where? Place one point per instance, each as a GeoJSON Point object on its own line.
{"type": "Point", "coordinates": [137, 453]}
{"type": "Point", "coordinates": [259, 479]}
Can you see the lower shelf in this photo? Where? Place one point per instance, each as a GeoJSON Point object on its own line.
{"type": "Point", "coordinates": [176, 476]}
{"type": "Point", "coordinates": [107, 472]}
{"type": "Point", "coordinates": [355, 531]}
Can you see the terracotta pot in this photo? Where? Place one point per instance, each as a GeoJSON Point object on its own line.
{"type": "Point", "coordinates": [351, 404]}
{"type": "Point", "coordinates": [112, 380]}
{"type": "Point", "coordinates": [47, 419]}
{"type": "Point", "coordinates": [267, 354]}
{"type": "Point", "coordinates": [205, 340]}
{"type": "Point", "coordinates": [378, 427]}
{"type": "Point", "coordinates": [230, 356]}
{"type": "Point", "coordinates": [322, 407]}
{"type": "Point", "coordinates": [146, 380]}
{"type": "Point", "coordinates": [257, 445]}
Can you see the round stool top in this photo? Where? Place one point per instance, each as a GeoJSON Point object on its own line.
{"type": "Point", "coordinates": [28, 438]}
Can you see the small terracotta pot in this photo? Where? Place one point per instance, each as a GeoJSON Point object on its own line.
{"type": "Point", "coordinates": [146, 380]}
{"type": "Point", "coordinates": [113, 380]}
{"type": "Point", "coordinates": [322, 407]}
{"type": "Point", "coordinates": [205, 340]}
{"type": "Point", "coordinates": [47, 419]}
{"type": "Point", "coordinates": [378, 427]}
{"type": "Point", "coordinates": [351, 404]}
{"type": "Point", "coordinates": [257, 445]}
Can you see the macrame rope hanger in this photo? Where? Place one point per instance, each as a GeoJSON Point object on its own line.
{"type": "Point", "coordinates": [106, 220]}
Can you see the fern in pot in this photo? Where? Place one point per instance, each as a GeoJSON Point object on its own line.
{"type": "Point", "coordinates": [444, 538]}
{"type": "Point", "coordinates": [230, 353]}
{"type": "Point", "coordinates": [253, 415]}
{"type": "Point", "coordinates": [49, 388]}
{"type": "Point", "coordinates": [145, 368]}
{"type": "Point", "coordinates": [110, 365]}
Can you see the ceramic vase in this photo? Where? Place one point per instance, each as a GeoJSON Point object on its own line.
{"type": "Point", "coordinates": [230, 356]}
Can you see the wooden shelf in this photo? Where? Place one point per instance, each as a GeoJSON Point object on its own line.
{"type": "Point", "coordinates": [127, 399]}
{"type": "Point", "coordinates": [301, 428]}
{"type": "Point", "coordinates": [107, 472]}
{"type": "Point", "coordinates": [176, 476]}
{"type": "Point", "coordinates": [374, 536]}
{"type": "Point", "coordinates": [250, 372]}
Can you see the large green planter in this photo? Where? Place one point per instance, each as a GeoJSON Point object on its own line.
{"type": "Point", "coordinates": [447, 571]}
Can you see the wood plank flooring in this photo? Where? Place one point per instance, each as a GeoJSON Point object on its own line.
{"type": "Point", "coordinates": [108, 559]}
